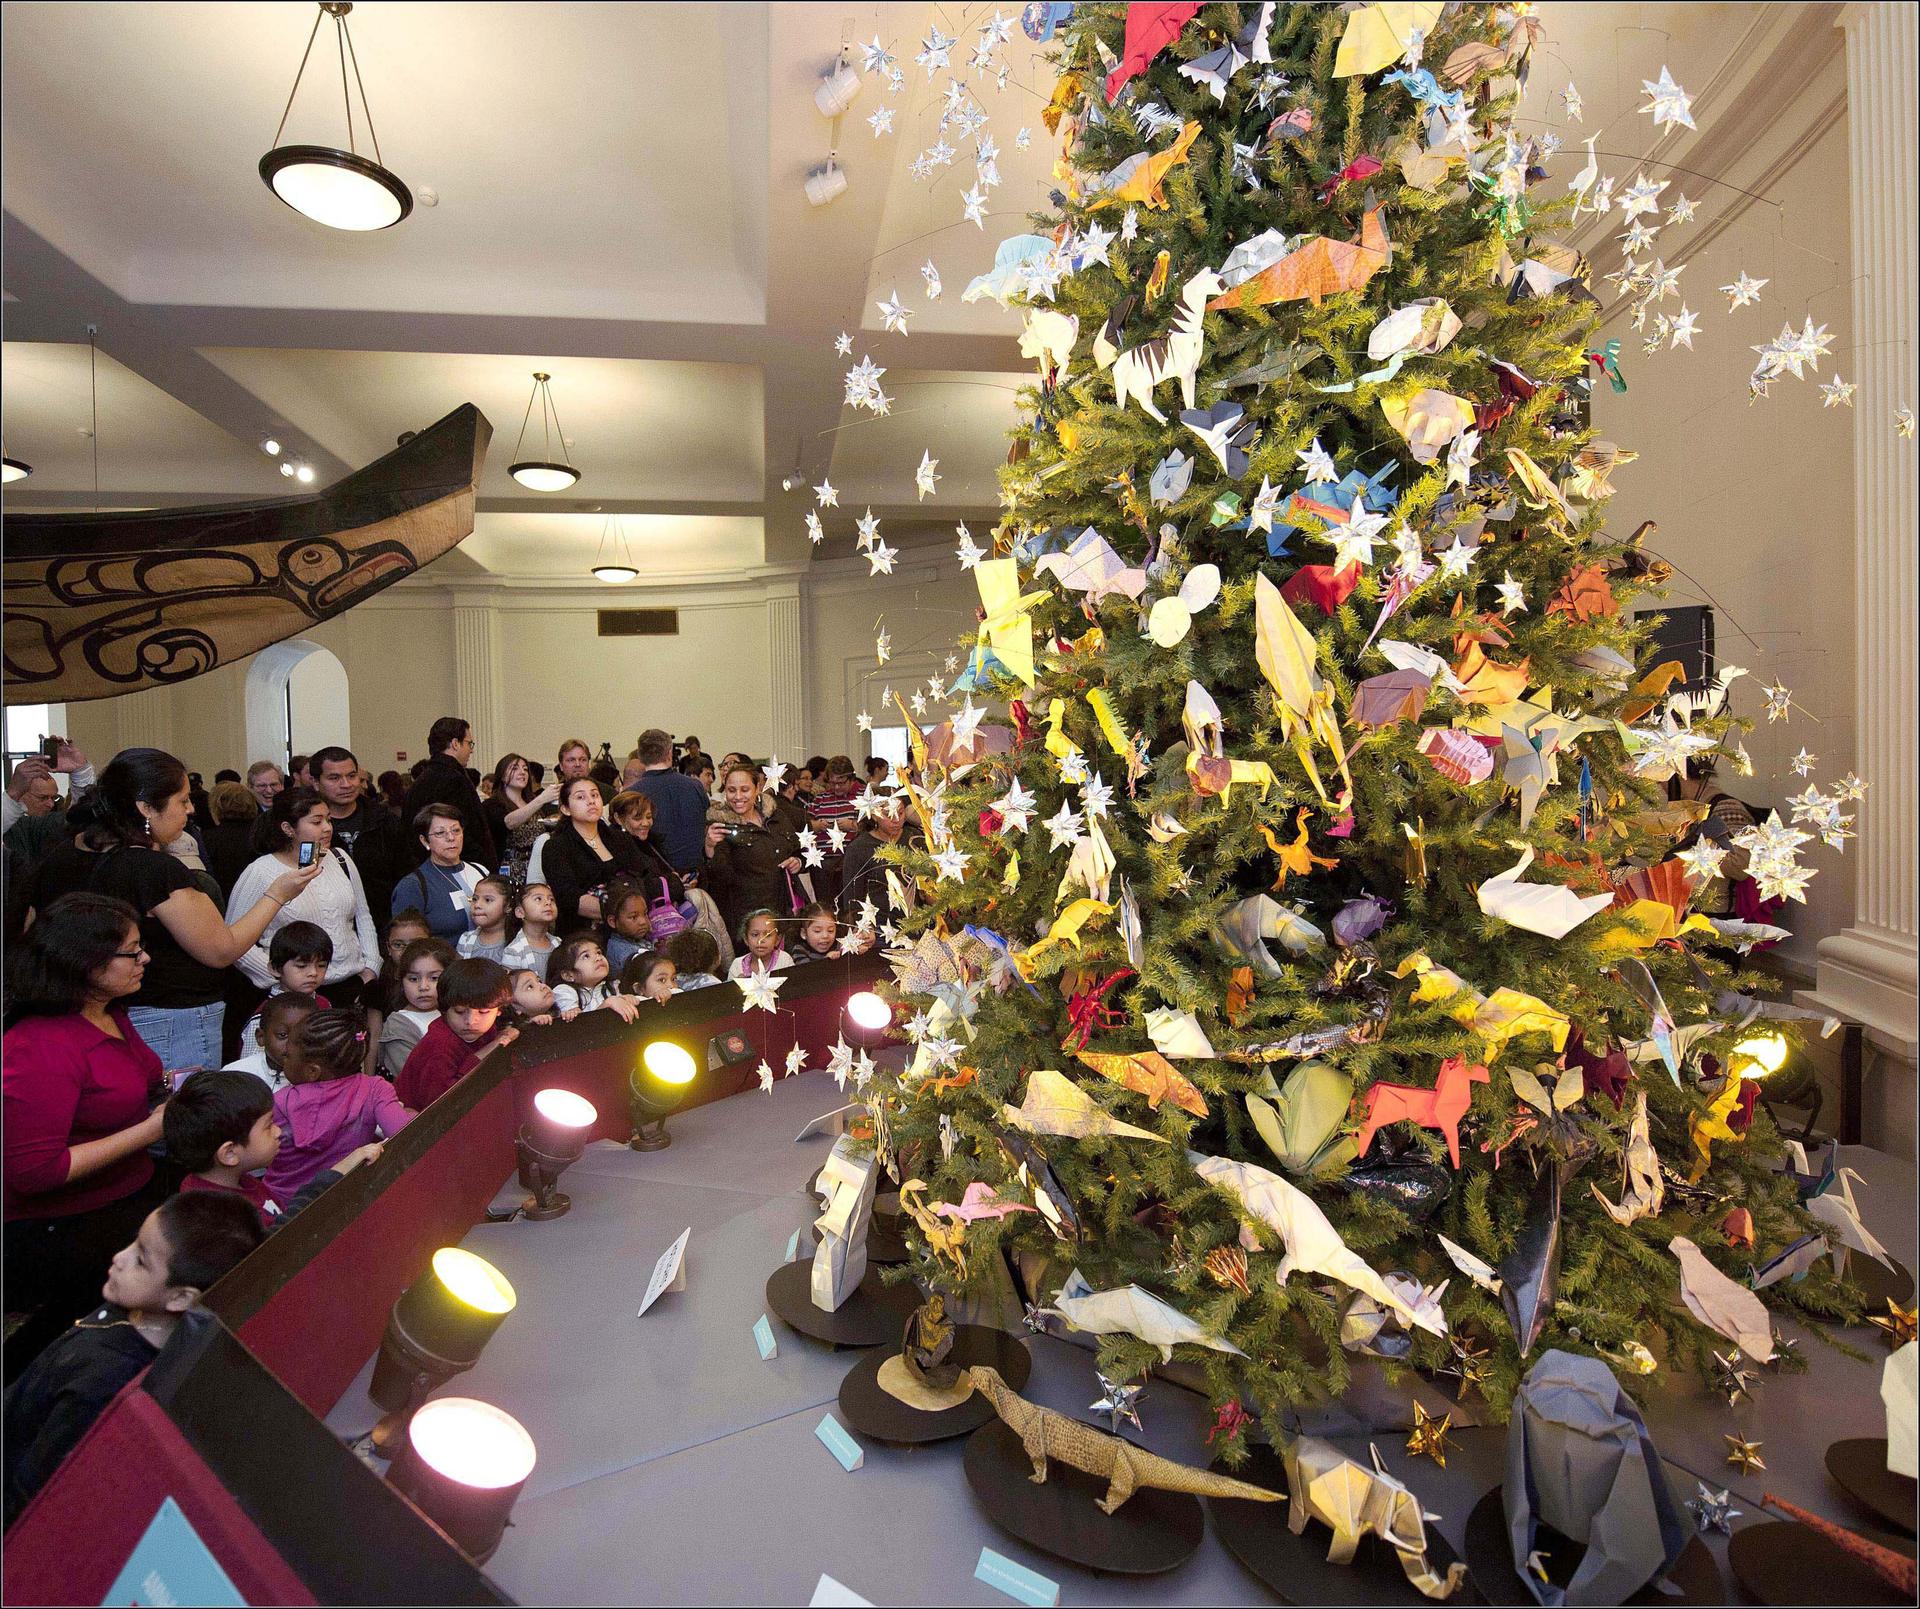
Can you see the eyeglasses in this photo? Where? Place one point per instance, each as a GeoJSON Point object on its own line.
{"type": "Point", "coordinates": [137, 953]}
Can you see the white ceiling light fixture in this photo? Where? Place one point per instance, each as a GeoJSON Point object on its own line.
{"type": "Point", "coordinates": [13, 469]}
{"type": "Point", "coordinates": [614, 564]}
{"type": "Point", "coordinates": [839, 88]}
{"type": "Point", "coordinates": [286, 468]}
{"type": "Point", "coordinates": [825, 184]}
{"type": "Point", "coordinates": [304, 474]}
{"type": "Point", "coordinates": [271, 447]}
{"type": "Point", "coordinates": [341, 189]}
{"type": "Point", "coordinates": [543, 474]}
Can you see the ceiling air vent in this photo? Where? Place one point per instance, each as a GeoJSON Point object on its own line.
{"type": "Point", "coordinates": [639, 622]}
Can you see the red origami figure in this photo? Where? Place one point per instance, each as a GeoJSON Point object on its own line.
{"type": "Point", "coordinates": [1440, 1108]}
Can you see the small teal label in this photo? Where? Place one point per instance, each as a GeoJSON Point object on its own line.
{"type": "Point", "coordinates": [793, 1246]}
{"type": "Point", "coordinates": [763, 1338]}
{"type": "Point", "coordinates": [170, 1565]}
{"type": "Point", "coordinates": [1016, 1580]}
{"type": "Point", "coordinates": [843, 1447]}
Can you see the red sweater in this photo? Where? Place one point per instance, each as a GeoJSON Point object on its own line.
{"type": "Point", "coordinates": [250, 1189]}
{"type": "Point", "coordinates": [65, 1083]}
{"type": "Point", "coordinates": [436, 1064]}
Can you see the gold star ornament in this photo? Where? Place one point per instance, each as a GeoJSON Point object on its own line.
{"type": "Point", "coordinates": [1744, 1455]}
{"type": "Point", "coordinates": [1429, 1435]}
{"type": "Point", "coordinates": [1898, 1323]}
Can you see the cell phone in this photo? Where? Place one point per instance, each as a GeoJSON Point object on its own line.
{"type": "Point", "coordinates": [50, 750]}
{"type": "Point", "coordinates": [306, 854]}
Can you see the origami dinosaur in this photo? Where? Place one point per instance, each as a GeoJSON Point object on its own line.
{"type": "Point", "coordinates": [1353, 1501]}
{"type": "Point", "coordinates": [1046, 1434]}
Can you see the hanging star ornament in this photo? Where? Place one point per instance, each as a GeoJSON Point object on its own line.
{"type": "Point", "coordinates": [893, 316]}
{"type": "Point", "coordinates": [1744, 291]}
{"type": "Point", "coordinates": [1429, 1437]}
{"type": "Point", "coordinates": [816, 532]}
{"type": "Point", "coordinates": [925, 478]}
{"type": "Point", "coordinates": [1682, 210]}
{"type": "Point", "coordinates": [881, 120]}
{"type": "Point", "coordinates": [759, 990]}
{"type": "Point", "coordinates": [1713, 1511]}
{"type": "Point", "coordinates": [826, 493]}
{"type": "Point", "coordinates": [1837, 393]}
{"type": "Point", "coordinates": [1119, 1402]}
{"type": "Point", "coordinates": [1570, 99]}
{"type": "Point", "coordinates": [843, 344]}
{"type": "Point", "coordinates": [1670, 105]}
{"type": "Point", "coordinates": [1513, 596]}
{"type": "Point", "coordinates": [1903, 423]}
{"type": "Point", "coordinates": [766, 1076]}
{"type": "Point", "coordinates": [931, 275]}
{"type": "Point", "coordinates": [933, 52]}
{"type": "Point", "coordinates": [1469, 1363]}
{"type": "Point", "coordinates": [1729, 1378]}
{"type": "Point", "coordinates": [1744, 1455]}
{"type": "Point", "coordinates": [880, 559]}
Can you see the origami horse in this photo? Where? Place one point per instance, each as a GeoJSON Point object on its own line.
{"type": "Point", "coordinates": [1175, 355]}
{"type": "Point", "coordinates": [1440, 1108]}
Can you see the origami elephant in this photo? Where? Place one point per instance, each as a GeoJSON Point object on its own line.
{"type": "Point", "coordinates": [1353, 1501]}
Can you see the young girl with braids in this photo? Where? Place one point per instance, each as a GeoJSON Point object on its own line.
{"type": "Point", "coordinates": [330, 1106]}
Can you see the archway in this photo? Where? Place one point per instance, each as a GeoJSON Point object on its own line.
{"type": "Point", "coordinates": [296, 701]}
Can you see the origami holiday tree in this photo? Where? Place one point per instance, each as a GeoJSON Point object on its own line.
{"type": "Point", "coordinates": [1306, 935]}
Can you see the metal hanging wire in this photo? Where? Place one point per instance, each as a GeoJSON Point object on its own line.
{"type": "Point", "coordinates": [343, 40]}
{"type": "Point", "coordinates": [549, 420]}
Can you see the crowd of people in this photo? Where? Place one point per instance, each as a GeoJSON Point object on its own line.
{"type": "Point", "coordinates": [219, 1001]}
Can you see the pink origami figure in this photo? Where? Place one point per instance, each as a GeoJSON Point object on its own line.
{"type": "Point", "coordinates": [1440, 1108]}
{"type": "Point", "coordinates": [980, 1201]}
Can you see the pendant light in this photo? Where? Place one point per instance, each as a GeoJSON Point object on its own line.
{"type": "Point", "coordinates": [14, 469]}
{"type": "Point", "coordinates": [614, 563]}
{"type": "Point", "coordinates": [341, 189]}
{"type": "Point", "coordinates": [543, 474]}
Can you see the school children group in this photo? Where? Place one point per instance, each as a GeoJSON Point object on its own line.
{"type": "Point", "coordinates": [154, 1135]}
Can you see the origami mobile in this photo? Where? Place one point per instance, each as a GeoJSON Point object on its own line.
{"type": "Point", "coordinates": [1302, 1122]}
{"type": "Point", "coordinates": [1317, 268]}
{"type": "Point", "coordinates": [1353, 1501]}
{"type": "Point", "coordinates": [1132, 1311]}
{"type": "Point", "coordinates": [1579, 1460]}
{"type": "Point", "coordinates": [846, 1184]}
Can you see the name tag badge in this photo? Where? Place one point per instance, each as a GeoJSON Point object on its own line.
{"type": "Point", "coordinates": [461, 900]}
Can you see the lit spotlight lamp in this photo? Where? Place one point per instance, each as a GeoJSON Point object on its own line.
{"type": "Point", "coordinates": [463, 1465]}
{"type": "Point", "coordinates": [271, 446]}
{"type": "Point", "coordinates": [549, 1143]}
{"type": "Point", "coordinates": [543, 474]}
{"type": "Point", "coordinates": [870, 1014]}
{"type": "Point", "coordinates": [659, 1083]}
{"type": "Point", "coordinates": [341, 189]}
{"type": "Point", "coordinates": [438, 1328]}
{"type": "Point", "coordinates": [1784, 1078]}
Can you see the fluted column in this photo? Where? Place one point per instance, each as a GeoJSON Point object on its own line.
{"type": "Point", "coordinates": [787, 671]}
{"type": "Point", "coordinates": [477, 686]}
{"type": "Point", "coordinates": [1869, 970]}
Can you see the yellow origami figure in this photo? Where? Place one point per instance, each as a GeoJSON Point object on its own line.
{"type": "Point", "coordinates": [1711, 1125]}
{"type": "Point", "coordinates": [1005, 638]}
{"type": "Point", "coordinates": [1065, 930]}
{"type": "Point", "coordinates": [1139, 178]}
{"type": "Point", "coordinates": [1208, 767]}
{"type": "Point", "coordinates": [1497, 1018]}
{"type": "Point", "coordinates": [1285, 651]}
{"type": "Point", "coordinates": [1377, 36]}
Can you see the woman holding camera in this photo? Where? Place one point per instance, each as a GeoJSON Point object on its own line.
{"type": "Point", "coordinates": [752, 861]}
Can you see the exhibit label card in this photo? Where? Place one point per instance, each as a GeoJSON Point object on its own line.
{"type": "Point", "coordinates": [171, 1565]}
{"type": "Point", "coordinates": [843, 1447]}
{"type": "Point", "coordinates": [1016, 1580]}
{"type": "Point", "coordinates": [793, 1247]}
{"type": "Point", "coordinates": [831, 1594]}
{"type": "Point", "coordinates": [670, 1273]}
{"type": "Point", "coordinates": [763, 1339]}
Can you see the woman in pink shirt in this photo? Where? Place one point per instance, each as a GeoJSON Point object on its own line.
{"type": "Point", "coordinates": [329, 1106]}
{"type": "Point", "coordinates": [79, 1083]}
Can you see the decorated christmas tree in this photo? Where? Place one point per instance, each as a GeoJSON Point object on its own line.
{"type": "Point", "coordinates": [1298, 936]}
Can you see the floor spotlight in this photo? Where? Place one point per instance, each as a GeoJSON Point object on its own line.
{"type": "Point", "coordinates": [438, 1328]}
{"type": "Point", "coordinates": [659, 1083]}
{"type": "Point", "coordinates": [463, 1466]}
{"type": "Point", "coordinates": [869, 1013]}
{"type": "Point", "coordinates": [549, 1143]}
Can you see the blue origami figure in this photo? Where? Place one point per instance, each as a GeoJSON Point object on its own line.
{"type": "Point", "coordinates": [1375, 495]}
{"type": "Point", "coordinates": [1425, 88]}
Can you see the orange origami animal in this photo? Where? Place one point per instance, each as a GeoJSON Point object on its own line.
{"type": "Point", "coordinates": [1139, 178]}
{"type": "Point", "coordinates": [1318, 268]}
{"type": "Point", "coordinates": [1296, 859]}
{"type": "Point", "coordinates": [1440, 1108]}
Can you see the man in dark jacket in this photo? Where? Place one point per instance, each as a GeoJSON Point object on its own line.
{"type": "Point", "coordinates": [679, 803]}
{"type": "Point", "coordinates": [363, 828]}
{"type": "Point", "coordinates": [443, 780]}
{"type": "Point", "coordinates": [864, 874]}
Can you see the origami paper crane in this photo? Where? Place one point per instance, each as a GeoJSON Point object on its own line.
{"type": "Point", "coordinates": [1285, 652]}
{"type": "Point", "coordinates": [1131, 1311]}
{"type": "Point", "coordinates": [1150, 29]}
{"type": "Point", "coordinates": [1138, 180]}
{"type": "Point", "coordinates": [1313, 1245]}
{"type": "Point", "coordinates": [1317, 268]}
{"type": "Point", "coordinates": [1148, 1073]}
{"type": "Point", "coordinates": [1055, 1104]}
{"type": "Point", "coordinates": [1004, 642]}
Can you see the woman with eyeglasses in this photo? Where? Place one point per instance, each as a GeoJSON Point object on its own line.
{"type": "Point", "coordinates": [79, 1084]}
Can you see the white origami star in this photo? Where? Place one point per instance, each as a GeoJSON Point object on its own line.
{"type": "Point", "coordinates": [880, 559]}
{"type": "Point", "coordinates": [1318, 462]}
{"type": "Point", "coordinates": [933, 51]}
{"type": "Point", "coordinates": [1641, 196]}
{"type": "Point", "coordinates": [951, 863]}
{"type": "Point", "coordinates": [1702, 857]}
{"type": "Point", "coordinates": [1779, 701]}
{"type": "Point", "coordinates": [1513, 596]}
{"type": "Point", "coordinates": [1683, 328]}
{"type": "Point", "coordinates": [1570, 98]}
{"type": "Point", "coordinates": [1096, 795]}
{"type": "Point", "coordinates": [1265, 502]}
{"type": "Point", "coordinates": [829, 498]}
{"type": "Point", "coordinates": [843, 344]}
{"type": "Point", "coordinates": [759, 991]}
{"type": "Point", "coordinates": [836, 837]}
{"type": "Point", "coordinates": [1460, 457]}
{"type": "Point", "coordinates": [968, 554]}
{"type": "Point", "coordinates": [924, 477]}
{"type": "Point", "coordinates": [1670, 105]}
{"type": "Point", "coordinates": [877, 58]}
{"type": "Point", "coordinates": [1093, 245]}
{"type": "Point", "coordinates": [1837, 393]}
{"type": "Point", "coordinates": [867, 528]}
{"type": "Point", "coordinates": [893, 316]}
{"type": "Point", "coordinates": [840, 1062]}
{"type": "Point", "coordinates": [816, 532]}
{"type": "Point", "coordinates": [966, 722]}
{"type": "Point", "coordinates": [931, 275]}
{"type": "Point", "coordinates": [1803, 764]}
{"type": "Point", "coordinates": [1065, 826]}
{"type": "Point", "coordinates": [1457, 560]}
{"type": "Point", "coordinates": [1353, 538]}
{"type": "Point", "coordinates": [796, 1059]}
{"type": "Point", "coordinates": [1744, 291]}
{"type": "Point", "coordinates": [864, 721]}
{"type": "Point", "coordinates": [1682, 210]}
{"type": "Point", "coordinates": [1014, 807]}
{"type": "Point", "coordinates": [882, 651]}
{"type": "Point", "coordinates": [1022, 140]}
{"type": "Point", "coordinates": [1903, 422]}
{"type": "Point", "coordinates": [766, 1075]}
{"type": "Point", "coordinates": [1130, 224]}
{"type": "Point", "coordinates": [973, 207]}
{"type": "Point", "coordinates": [881, 120]}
